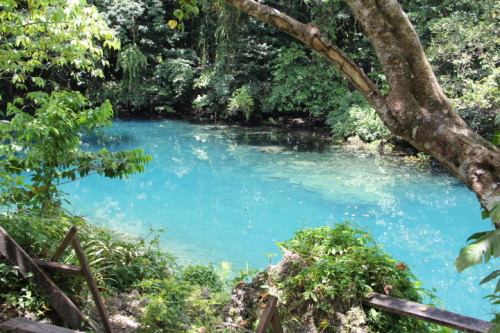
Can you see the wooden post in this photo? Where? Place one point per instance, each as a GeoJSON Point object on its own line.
{"type": "Point", "coordinates": [64, 244]}
{"type": "Point", "coordinates": [428, 313]}
{"type": "Point", "coordinates": [270, 316]}
{"type": "Point", "coordinates": [92, 285]}
{"type": "Point", "coordinates": [57, 299]}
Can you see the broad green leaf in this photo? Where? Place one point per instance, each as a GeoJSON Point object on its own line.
{"type": "Point", "coordinates": [496, 138]}
{"type": "Point", "coordinates": [477, 235]}
{"type": "Point", "coordinates": [179, 14]}
{"type": "Point", "coordinates": [487, 244]}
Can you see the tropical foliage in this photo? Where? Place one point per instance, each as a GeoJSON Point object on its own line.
{"type": "Point", "coordinates": [466, 61]}
{"type": "Point", "coordinates": [45, 44]}
{"type": "Point", "coordinates": [45, 148]}
{"type": "Point", "coordinates": [117, 261]}
{"type": "Point", "coordinates": [61, 64]}
{"type": "Point", "coordinates": [324, 277]}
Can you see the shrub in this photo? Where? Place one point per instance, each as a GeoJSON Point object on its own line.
{"type": "Point", "coordinates": [355, 117]}
{"type": "Point", "coordinates": [332, 271]}
{"type": "Point", "coordinates": [181, 303]}
{"type": "Point", "coordinates": [116, 261]}
{"type": "Point", "coordinates": [240, 101]}
{"type": "Point", "coordinates": [298, 83]}
{"type": "Point", "coordinates": [202, 275]}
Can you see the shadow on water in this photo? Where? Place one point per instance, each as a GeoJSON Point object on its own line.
{"type": "Point", "coordinates": [111, 141]}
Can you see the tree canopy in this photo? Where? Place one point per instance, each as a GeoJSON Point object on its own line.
{"type": "Point", "coordinates": [45, 48]}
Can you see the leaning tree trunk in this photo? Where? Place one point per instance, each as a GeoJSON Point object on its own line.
{"type": "Point", "coordinates": [415, 108]}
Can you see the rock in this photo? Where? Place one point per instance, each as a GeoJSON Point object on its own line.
{"type": "Point", "coordinates": [272, 149]}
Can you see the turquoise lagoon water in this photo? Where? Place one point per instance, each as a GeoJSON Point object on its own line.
{"type": "Point", "coordinates": [229, 194]}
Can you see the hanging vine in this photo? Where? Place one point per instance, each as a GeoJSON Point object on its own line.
{"type": "Point", "coordinates": [133, 63]}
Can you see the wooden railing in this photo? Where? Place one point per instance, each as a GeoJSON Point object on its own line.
{"type": "Point", "coordinates": [32, 269]}
{"type": "Point", "coordinates": [395, 305]}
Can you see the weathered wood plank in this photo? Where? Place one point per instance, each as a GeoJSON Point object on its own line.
{"type": "Point", "coordinates": [24, 325]}
{"type": "Point", "coordinates": [428, 313]}
{"type": "Point", "coordinates": [92, 285]}
{"type": "Point", "coordinates": [57, 299]}
{"type": "Point", "coordinates": [64, 244]}
{"type": "Point", "coordinates": [60, 268]}
{"type": "Point", "coordinates": [270, 316]}
{"type": "Point", "coordinates": [276, 322]}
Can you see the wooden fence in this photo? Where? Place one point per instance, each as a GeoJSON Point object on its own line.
{"type": "Point", "coordinates": [32, 269]}
{"type": "Point", "coordinates": [395, 305]}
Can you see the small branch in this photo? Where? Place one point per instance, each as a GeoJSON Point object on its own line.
{"type": "Point", "coordinates": [72, 180]}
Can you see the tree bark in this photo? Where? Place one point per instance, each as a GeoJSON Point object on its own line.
{"type": "Point", "coordinates": [415, 107]}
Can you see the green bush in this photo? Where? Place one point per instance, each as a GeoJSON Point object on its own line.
{"type": "Point", "coordinates": [298, 83]}
{"type": "Point", "coordinates": [466, 60]}
{"type": "Point", "coordinates": [17, 294]}
{"type": "Point", "coordinates": [116, 261]}
{"type": "Point", "coordinates": [215, 89]}
{"type": "Point", "coordinates": [176, 300]}
{"type": "Point", "coordinates": [180, 303]}
{"type": "Point", "coordinates": [339, 266]}
{"type": "Point", "coordinates": [45, 146]}
{"type": "Point", "coordinates": [202, 276]}
{"type": "Point", "coordinates": [355, 117]}
{"type": "Point", "coordinates": [240, 101]}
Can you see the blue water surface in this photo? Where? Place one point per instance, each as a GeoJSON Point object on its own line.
{"type": "Point", "coordinates": [229, 194]}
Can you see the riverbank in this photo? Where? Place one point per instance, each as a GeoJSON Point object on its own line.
{"type": "Point", "coordinates": [309, 132]}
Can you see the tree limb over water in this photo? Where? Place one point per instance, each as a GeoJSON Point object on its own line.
{"type": "Point", "coordinates": [415, 107]}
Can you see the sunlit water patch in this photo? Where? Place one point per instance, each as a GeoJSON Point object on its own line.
{"type": "Point", "coordinates": [229, 193]}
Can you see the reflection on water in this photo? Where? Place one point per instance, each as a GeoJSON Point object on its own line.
{"type": "Point", "coordinates": [228, 193]}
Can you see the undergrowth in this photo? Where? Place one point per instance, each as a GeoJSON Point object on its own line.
{"type": "Point", "coordinates": [339, 265]}
{"type": "Point", "coordinates": [175, 299]}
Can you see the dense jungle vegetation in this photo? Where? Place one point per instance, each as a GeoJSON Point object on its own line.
{"type": "Point", "coordinates": [232, 66]}
{"type": "Point", "coordinates": [68, 67]}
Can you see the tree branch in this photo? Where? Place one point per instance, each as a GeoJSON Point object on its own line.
{"type": "Point", "coordinates": [310, 35]}
{"type": "Point", "coordinates": [415, 108]}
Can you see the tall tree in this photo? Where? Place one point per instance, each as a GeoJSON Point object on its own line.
{"type": "Point", "coordinates": [415, 107]}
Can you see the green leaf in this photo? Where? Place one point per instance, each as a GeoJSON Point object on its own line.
{"type": "Point", "coordinates": [487, 244]}
{"type": "Point", "coordinates": [495, 213]}
{"type": "Point", "coordinates": [477, 235]}
{"type": "Point", "coordinates": [496, 138]}
{"type": "Point", "coordinates": [179, 14]}
{"type": "Point", "coordinates": [490, 277]}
